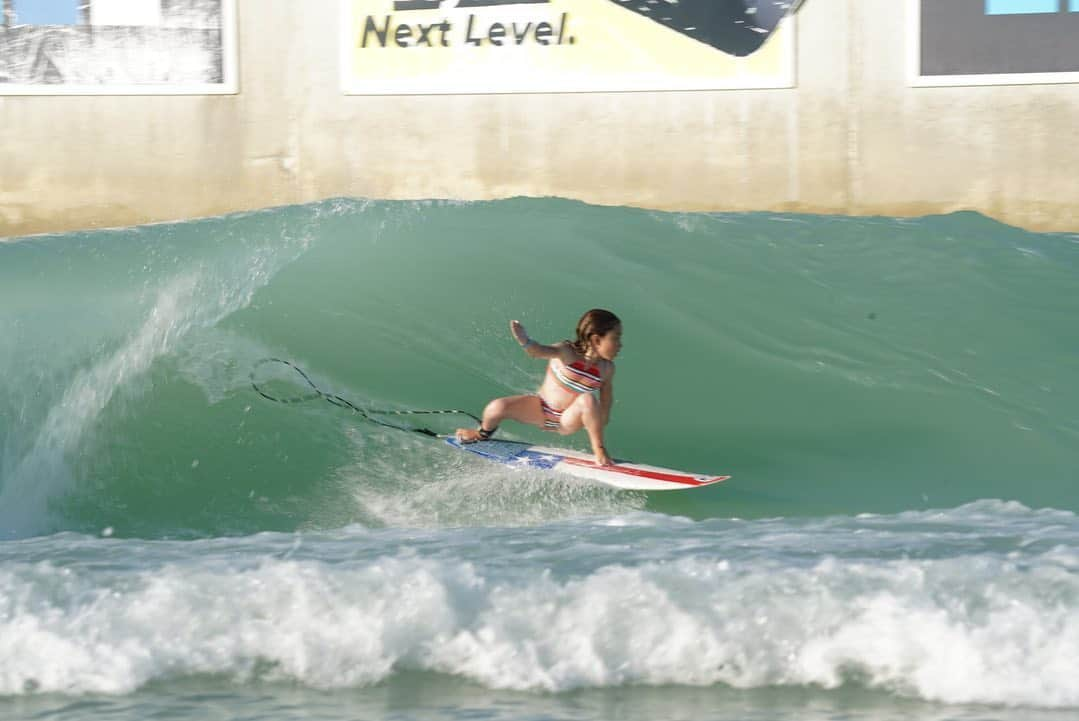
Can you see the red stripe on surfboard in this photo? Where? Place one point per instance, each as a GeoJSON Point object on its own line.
{"type": "Point", "coordinates": [641, 473]}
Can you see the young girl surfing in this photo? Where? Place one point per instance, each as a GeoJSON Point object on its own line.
{"type": "Point", "coordinates": [566, 400]}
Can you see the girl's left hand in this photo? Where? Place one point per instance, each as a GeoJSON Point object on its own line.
{"type": "Point", "coordinates": [519, 332]}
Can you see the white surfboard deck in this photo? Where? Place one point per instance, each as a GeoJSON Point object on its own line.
{"type": "Point", "coordinates": [629, 476]}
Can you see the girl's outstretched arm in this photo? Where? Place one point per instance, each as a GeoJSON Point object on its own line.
{"type": "Point", "coordinates": [534, 349]}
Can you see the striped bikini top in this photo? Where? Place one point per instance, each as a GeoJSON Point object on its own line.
{"type": "Point", "coordinates": [577, 377]}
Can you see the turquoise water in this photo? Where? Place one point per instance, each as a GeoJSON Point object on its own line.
{"type": "Point", "coordinates": [896, 401]}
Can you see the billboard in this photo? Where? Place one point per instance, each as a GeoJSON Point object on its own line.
{"type": "Point", "coordinates": [118, 47]}
{"type": "Point", "coordinates": [993, 42]}
{"type": "Point", "coordinates": [521, 46]}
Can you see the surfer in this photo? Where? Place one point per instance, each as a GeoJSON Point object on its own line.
{"type": "Point", "coordinates": [566, 400]}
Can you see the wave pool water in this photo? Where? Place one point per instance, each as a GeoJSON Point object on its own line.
{"type": "Point", "coordinates": [895, 399]}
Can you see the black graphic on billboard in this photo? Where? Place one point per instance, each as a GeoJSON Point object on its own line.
{"type": "Point", "coordinates": [737, 27]}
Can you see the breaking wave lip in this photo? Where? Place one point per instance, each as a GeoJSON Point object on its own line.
{"type": "Point", "coordinates": [195, 298]}
{"type": "Point", "coordinates": [42, 472]}
{"type": "Point", "coordinates": [351, 609]}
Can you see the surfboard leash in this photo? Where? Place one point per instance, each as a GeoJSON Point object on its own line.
{"type": "Point", "coordinates": [340, 402]}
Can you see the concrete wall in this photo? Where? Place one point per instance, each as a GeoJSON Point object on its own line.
{"type": "Point", "coordinates": [851, 138]}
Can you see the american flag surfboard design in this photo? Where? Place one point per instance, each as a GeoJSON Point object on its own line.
{"type": "Point", "coordinates": [625, 475]}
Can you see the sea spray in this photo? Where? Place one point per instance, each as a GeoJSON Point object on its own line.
{"type": "Point", "coordinates": [209, 289]}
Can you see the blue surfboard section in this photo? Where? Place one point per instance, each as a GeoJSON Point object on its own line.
{"type": "Point", "coordinates": [510, 453]}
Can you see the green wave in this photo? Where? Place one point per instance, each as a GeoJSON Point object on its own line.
{"type": "Point", "coordinates": [830, 364]}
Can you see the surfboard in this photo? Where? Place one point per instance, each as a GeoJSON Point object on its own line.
{"type": "Point", "coordinates": [623, 474]}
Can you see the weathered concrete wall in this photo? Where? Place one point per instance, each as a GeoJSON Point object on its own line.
{"type": "Point", "coordinates": [852, 137]}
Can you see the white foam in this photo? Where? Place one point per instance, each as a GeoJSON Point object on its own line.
{"type": "Point", "coordinates": [981, 629]}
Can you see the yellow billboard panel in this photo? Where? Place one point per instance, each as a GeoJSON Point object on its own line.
{"type": "Point", "coordinates": [501, 46]}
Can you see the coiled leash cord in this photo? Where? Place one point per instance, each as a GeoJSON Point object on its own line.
{"type": "Point", "coordinates": [340, 402]}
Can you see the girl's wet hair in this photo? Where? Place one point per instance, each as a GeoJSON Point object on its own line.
{"type": "Point", "coordinates": [595, 322]}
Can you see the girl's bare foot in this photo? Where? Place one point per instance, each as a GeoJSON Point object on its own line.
{"type": "Point", "coordinates": [602, 459]}
{"type": "Point", "coordinates": [468, 435]}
